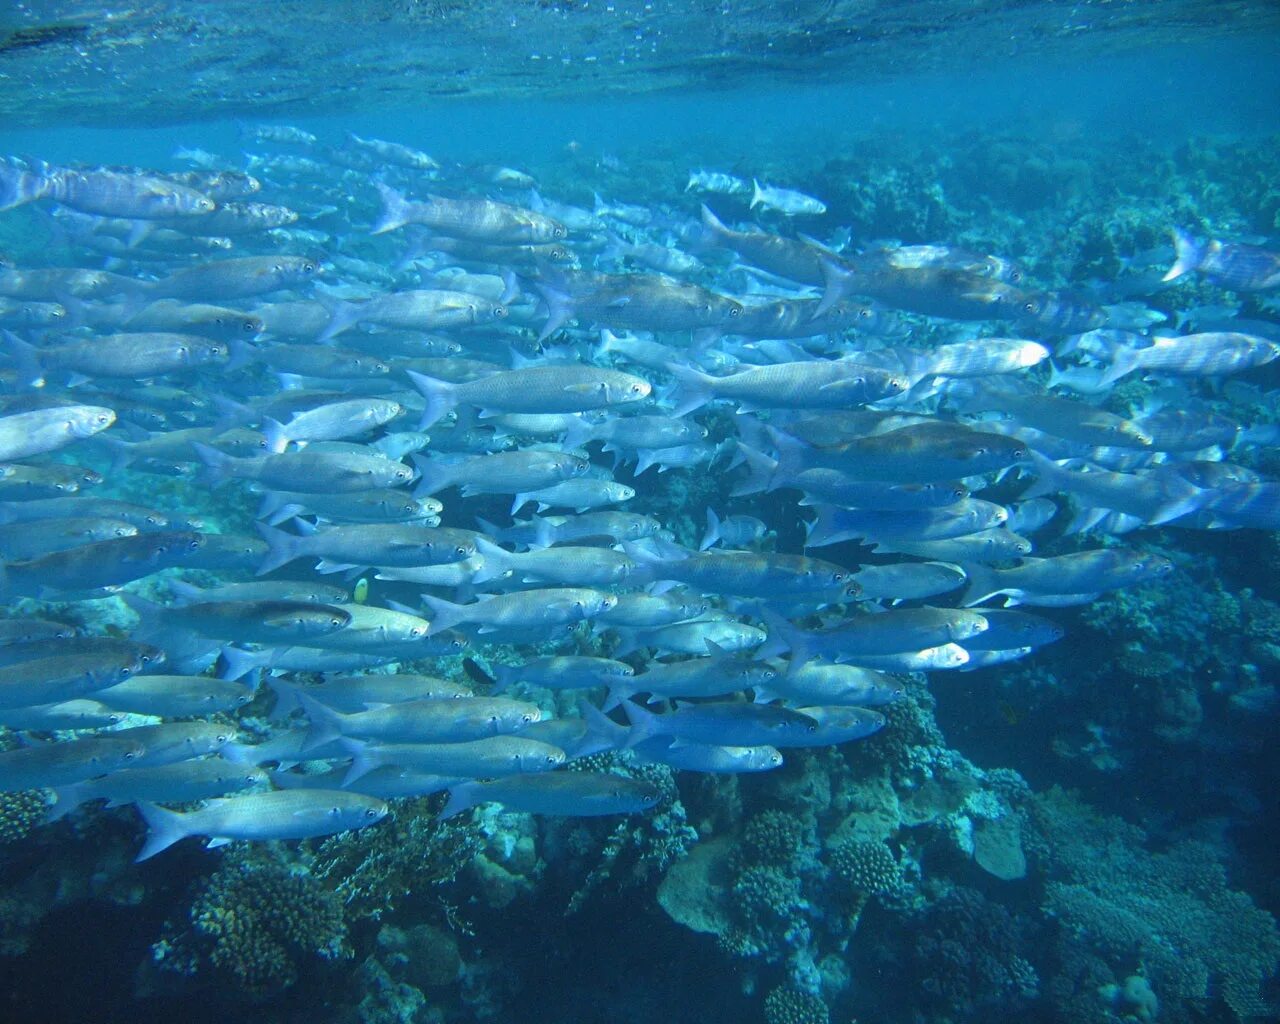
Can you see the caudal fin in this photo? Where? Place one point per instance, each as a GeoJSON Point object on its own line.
{"type": "Point", "coordinates": [444, 614]}
{"type": "Point", "coordinates": [441, 397]}
{"type": "Point", "coordinates": [164, 828]}
{"type": "Point", "coordinates": [326, 724]}
{"type": "Point", "coordinates": [694, 388]}
{"type": "Point", "coordinates": [712, 533]}
{"type": "Point", "coordinates": [462, 797]}
{"type": "Point", "coordinates": [1188, 253]}
{"type": "Point", "coordinates": [281, 548]}
{"type": "Point", "coordinates": [395, 210]}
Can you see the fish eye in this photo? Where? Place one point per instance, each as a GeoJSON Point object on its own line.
{"type": "Point", "coordinates": [1015, 276]}
{"type": "Point", "coordinates": [335, 622]}
{"type": "Point", "coordinates": [735, 311]}
{"type": "Point", "coordinates": [500, 312]}
{"type": "Point", "coordinates": [1029, 308]}
{"type": "Point", "coordinates": [551, 760]}
{"type": "Point", "coordinates": [248, 326]}
{"type": "Point", "coordinates": [371, 812]}
{"type": "Point", "coordinates": [308, 268]}
{"type": "Point", "coordinates": [526, 718]}
{"type": "Point", "coordinates": [557, 232]}
{"type": "Point", "coordinates": [865, 313]}
{"type": "Point", "coordinates": [417, 631]}
{"type": "Point", "coordinates": [130, 755]}
{"type": "Point", "coordinates": [460, 551]}
{"type": "Point", "coordinates": [335, 810]}
{"type": "Point", "coordinates": [222, 737]}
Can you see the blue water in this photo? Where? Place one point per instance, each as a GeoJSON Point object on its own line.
{"type": "Point", "coordinates": [1083, 834]}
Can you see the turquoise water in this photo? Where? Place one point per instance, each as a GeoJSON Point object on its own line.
{"type": "Point", "coordinates": [1071, 823]}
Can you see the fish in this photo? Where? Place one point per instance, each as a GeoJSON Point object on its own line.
{"type": "Point", "coordinates": [571, 794]}
{"type": "Point", "coordinates": [1245, 268]}
{"type": "Point", "coordinates": [534, 389]}
{"type": "Point", "coordinates": [785, 201]}
{"type": "Point", "coordinates": [278, 814]}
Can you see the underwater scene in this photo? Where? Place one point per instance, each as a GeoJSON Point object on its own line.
{"type": "Point", "coordinates": [606, 512]}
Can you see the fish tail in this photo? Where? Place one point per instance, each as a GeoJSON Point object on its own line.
{"type": "Point", "coordinates": [1188, 253]}
{"type": "Point", "coordinates": [286, 697]}
{"type": "Point", "coordinates": [274, 432]}
{"type": "Point", "coordinates": [18, 186]}
{"type": "Point", "coordinates": [644, 724]}
{"type": "Point", "coordinates": [164, 828]}
{"type": "Point", "coordinates": [782, 636]}
{"type": "Point", "coordinates": [712, 233]}
{"type": "Point", "coordinates": [364, 759]}
{"type": "Point", "coordinates": [712, 533]}
{"type": "Point", "coordinates": [837, 283]}
{"type": "Point", "coordinates": [825, 529]}
{"type": "Point", "coordinates": [694, 388]}
{"type": "Point", "coordinates": [441, 397]}
{"type": "Point", "coordinates": [1123, 363]}
{"type": "Point", "coordinates": [1186, 500]}
{"type": "Point", "coordinates": [791, 456]}
{"type": "Point", "coordinates": [217, 464]}
{"type": "Point", "coordinates": [281, 548]}
{"type": "Point", "coordinates": [433, 475]}
{"type": "Point", "coordinates": [26, 359]}
{"type": "Point", "coordinates": [395, 210]}
{"type": "Point", "coordinates": [982, 584]}
{"type": "Point", "coordinates": [326, 724]}
{"type": "Point", "coordinates": [495, 561]}
{"type": "Point", "coordinates": [444, 614]}
{"type": "Point", "coordinates": [559, 309]}
{"type": "Point", "coordinates": [238, 663]}
{"type": "Point", "coordinates": [342, 316]}
{"type": "Point", "coordinates": [760, 471]}
{"type": "Point", "coordinates": [462, 797]}
{"type": "Point", "coordinates": [757, 195]}
{"type": "Point", "coordinates": [600, 727]}
{"type": "Point", "coordinates": [65, 800]}
{"type": "Point", "coordinates": [184, 591]}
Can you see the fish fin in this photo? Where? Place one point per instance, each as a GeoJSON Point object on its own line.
{"type": "Point", "coordinates": [164, 828]}
{"type": "Point", "coordinates": [644, 723]}
{"type": "Point", "coordinates": [712, 533]}
{"type": "Point", "coordinates": [983, 584]}
{"type": "Point", "coordinates": [65, 800]}
{"type": "Point", "coordinates": [1124, 362]}
{"type": "Point", "coordinates": [281, 548]}
{"type": "Point", "coordinates": [26, 359]}
{"type": "Point", "coordinates": [441, 397]}
{"type": "Point", "coordinates": [694, 388]}
{"type": "Point", "coordinates": [274, 432]}
{"type": "Point", "coordinates": [713, 229]}
{"type": "Point", "coordinates": [238, 663]}
{"type": "Point", "coordinates": [433, 475]}
{"type": "Point", "coordinates": [495, 561]}
{"type": "Point", "coordinates": [559, 309]}
{"type": "Point", "coordinates": [364, 759]}
{"type": "Point", "coordinates": [1188, 253]}
{"type": "Point", "coordinates": [462, 797]}
{"type": "Point", "coordinates": [444, 614]}
{"type": "Point", "coordinates": [838, 283]}
{"type": "Point", "coordinates": [760, 468]}
{"type": "Point", "coordinates": [395, 209]}
{"type": "Point", "coordinates": [343, 315]}
{"type": "Point", "coordinates": [326, 723]}
{"type": "Point", "coordinates": [218, 464]}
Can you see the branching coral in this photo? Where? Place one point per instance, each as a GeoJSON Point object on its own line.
{"type": "Point", "coordinates": [256, 921]}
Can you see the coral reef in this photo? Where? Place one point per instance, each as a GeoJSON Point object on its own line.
{"type": "Point", "coordinates": [256, 921]}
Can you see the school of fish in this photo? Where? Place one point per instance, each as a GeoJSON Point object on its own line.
{"type": "Point", "coordinates": [364, 365]}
